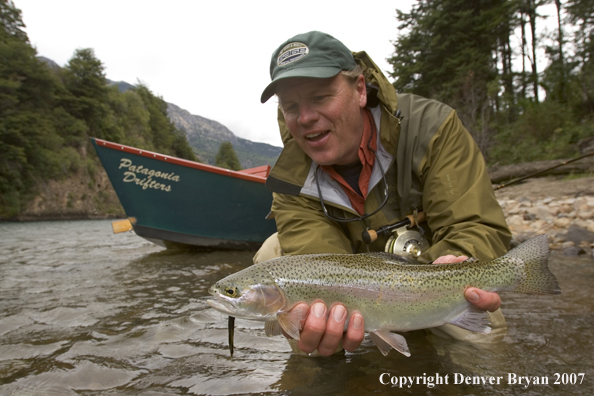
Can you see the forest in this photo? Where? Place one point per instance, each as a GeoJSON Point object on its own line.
{"type": "Point", "coordinates": [523, 95]}
{"type": "Point", "coordinates": [47, 115]}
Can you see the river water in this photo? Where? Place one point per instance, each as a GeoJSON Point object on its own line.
{"type": "Point", "coordinates": [87, 312]}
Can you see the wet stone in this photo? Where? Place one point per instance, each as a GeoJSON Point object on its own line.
{"type": "Point", "coordinates": [573, 251]}
{"type": "Point", "coordinates": [577, 234]}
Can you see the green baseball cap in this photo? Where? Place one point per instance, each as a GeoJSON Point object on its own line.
{"type": "Point", "coordinates": [313, 54]}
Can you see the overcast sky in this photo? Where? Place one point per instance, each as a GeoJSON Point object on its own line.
{"type": "Point", "coordinates": [209, 57]}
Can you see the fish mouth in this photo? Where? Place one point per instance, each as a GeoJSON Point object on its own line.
{"type": "Point", "coordinates": [228, 308]}
{"type": "Point", "coordinates": [223, 306]}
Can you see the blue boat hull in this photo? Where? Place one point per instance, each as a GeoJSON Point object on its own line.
{"type": "Point", "coordinates": [174, 202]}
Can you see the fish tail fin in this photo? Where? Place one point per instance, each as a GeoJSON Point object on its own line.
{"type": "Point", "coordinates": [538, 279]}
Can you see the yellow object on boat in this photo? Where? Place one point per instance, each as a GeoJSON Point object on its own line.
{"type": "Point", "coordinates": [121, 226]}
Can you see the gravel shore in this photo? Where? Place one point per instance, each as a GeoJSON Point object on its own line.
{"type": "Point", "coordinates": [562, 209]}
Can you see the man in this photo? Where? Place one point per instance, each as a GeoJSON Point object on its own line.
{"type": "Point", "coordinates": [359, 156]}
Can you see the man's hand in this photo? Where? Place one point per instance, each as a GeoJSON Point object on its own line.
{"type": "Point", "coordinates": [324, 331]}
{"type": "Point", "coordinates": [486, 301]}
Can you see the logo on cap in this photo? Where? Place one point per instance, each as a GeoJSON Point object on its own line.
{"type": "Point", "coordinates": [292, 52]}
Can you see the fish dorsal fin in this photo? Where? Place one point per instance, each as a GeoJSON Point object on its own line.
{"type": "Point", "coordinates": [290, 321]}
{"type": "Point", "coordinates": [473, 319]}
{"type": "Point", "coordinates": [386, 340]}
{"type": "Point", "coordinates": [272, 328]}
{"type": "Point", "coordinates": [388, 257]}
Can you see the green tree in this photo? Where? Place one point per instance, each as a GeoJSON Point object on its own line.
{"type": "Point", "coordinates": [227, 158]}
{"type": "Point", "coordinates": [87, 95]}
{"type": "Point", "coordinates": [29, 144]}
{"type": "Point", "coordinates": [85, 75]}
{"type": "Point", "coordinates": [581, 14]}
{"type": "Point", "coordinates": [133, 117]}
{"type": "Point", "coordinates": [165, 137]}
{"type": "Point", "coordinates": [552, 127]}
{"type": "Point", "coordinates": [446, 52]}
{"type": "Point", "coordinates": [529, 8]}
{"type": "Point", "coordinates": [11, 21]}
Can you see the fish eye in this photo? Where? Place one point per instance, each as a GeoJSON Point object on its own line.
{"type": "Point", "coordinates": [231, 291]}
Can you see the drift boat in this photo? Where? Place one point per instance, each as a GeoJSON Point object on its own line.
{"type": "Point", "coordinates": [174, 202]}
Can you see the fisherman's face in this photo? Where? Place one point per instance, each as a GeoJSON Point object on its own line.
{"type": "Point", "coordinates": [325, 116]}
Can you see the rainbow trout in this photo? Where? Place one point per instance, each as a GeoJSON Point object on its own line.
{"type": "Point", "coordinates": [391, 295]}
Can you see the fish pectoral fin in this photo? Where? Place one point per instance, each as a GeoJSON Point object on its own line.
{"type": "Point", "coordinates": [272, 328]}
{"type": "Point", "coordinates": [386, 340]}
{"type": "Point", "coordinates": [473, 319]}
{"type": "Point", "coordinates": [290, 322]}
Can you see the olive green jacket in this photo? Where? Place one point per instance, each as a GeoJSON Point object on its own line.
{"type": "Point", "coordinates": [432, 164]}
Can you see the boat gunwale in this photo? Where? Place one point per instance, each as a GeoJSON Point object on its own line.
{"type": "Point", "coordinates": [182, 162]}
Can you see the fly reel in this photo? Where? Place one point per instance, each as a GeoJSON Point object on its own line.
{"type": "Point", "coordinates": [407, 243]}
{"type": "Point", "coordinates": [403, 241]}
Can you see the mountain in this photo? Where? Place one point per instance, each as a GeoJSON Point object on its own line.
{"type": "Point", "coordinates": [49, 62]}
{"type": "Point", "coordinates": [205, 136]}
{"type": "Point", "coordinates": [123, 86]}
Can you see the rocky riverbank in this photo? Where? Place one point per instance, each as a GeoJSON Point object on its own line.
{"type": "Point", "coordinates": [562, 209]}
{"type": "Point", "coordinates": [77, 197]}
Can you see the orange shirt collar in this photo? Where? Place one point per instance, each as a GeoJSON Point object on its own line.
{"type": "Point", "coordinates": [367, 149]}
